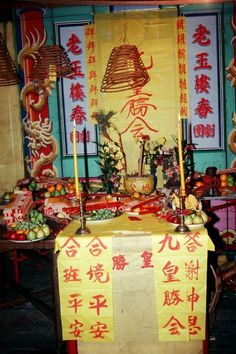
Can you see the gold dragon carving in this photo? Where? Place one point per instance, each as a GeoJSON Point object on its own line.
{"type": "Point", "coordinates": [231, 69]}
{"type": "Point", "coordinates": [38, 133]}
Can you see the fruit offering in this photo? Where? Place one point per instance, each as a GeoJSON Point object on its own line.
{"type": "Point", "coordinates": [227, 180]}
{"type": "Point", "coordinates": [32, 229]}
{"type": "Point", "coordinates": [60, 189]}
{"type": "Point", "coordinates": [101, 214]}
{"type": "Point", "coordinates": [199, 217]}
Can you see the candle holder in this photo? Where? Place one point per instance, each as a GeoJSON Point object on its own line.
{"type": "Point", "coordinates": [83, 229]}
{"type": "Point", "coordinates": [182, 227]}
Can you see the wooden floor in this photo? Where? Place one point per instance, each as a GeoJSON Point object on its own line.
{"type": "Point", "coordinates": [25, 330]}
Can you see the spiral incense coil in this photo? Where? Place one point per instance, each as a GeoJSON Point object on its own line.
{"type": "Point", "coordinates": [8, 72]}
{"type": "Point", "coordinates": [125, 70]}
{"type": "Point", "coordinates": [52, 62]}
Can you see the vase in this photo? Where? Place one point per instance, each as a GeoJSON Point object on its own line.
{"type": "Point", "coordinates": [140, 184]}
{"type": "Point", "coordinates": [153, 169]}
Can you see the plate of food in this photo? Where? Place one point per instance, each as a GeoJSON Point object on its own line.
{"type": "Point", "coordinates": [29, 241]}
{"type": "Point", "coordinates": [193, 219]}
{"type": "Point", "coordinates": [38, 233]}
{"type": "Point", "coordinates": [102, 216]}
{"type": "Point", "coordinates": [190, 226]}
{"type": "Point", "coordinates": [132, 213]}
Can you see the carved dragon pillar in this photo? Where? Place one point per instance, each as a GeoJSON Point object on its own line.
{"type": "Point", "coordinates": [42, 146]}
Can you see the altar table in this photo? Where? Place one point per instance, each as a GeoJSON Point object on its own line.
{"type": "Point", "coordinates": [30, 249]}
{"type": "Point", "coordinates": [134, 315]}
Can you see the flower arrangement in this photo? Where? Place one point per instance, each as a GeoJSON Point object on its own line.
{"type": "Point", "coordinates": [153, 150]}
{"type": "Point", "coordinates": [110, 156]}
{"type": "Point", "coordinates": [172, 172]}
{"type": "Point", "coordinates": [105, 123]}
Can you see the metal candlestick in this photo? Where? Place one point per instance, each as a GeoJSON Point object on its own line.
{"type": "Point", "coordinates": [83, 229]}
{"type": "Point", "coordinates": [182, 227]}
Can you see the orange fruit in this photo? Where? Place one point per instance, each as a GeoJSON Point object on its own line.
{"type": "Point", "coordinates": [73, 186]}
{"type": "Point", "coordinates": [59, 187]}
{"type": "Point", "coordinates": [71, 191]}
{"type": "Point", "coordinates": [199, 184]}
{"type": "Point", "coordinates": [20, 231]}
{"type": "Point", "coordinates": [223, 176]}
{"type": "Point", "coordinates": [223, 183]}
{"type": "Point", "coordinates": [51, 188]}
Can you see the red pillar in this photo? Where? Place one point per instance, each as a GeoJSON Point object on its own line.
{"type": "Point", "coordinates": [32, 28]}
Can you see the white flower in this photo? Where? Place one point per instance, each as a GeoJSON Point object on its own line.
{"type": "Point", "coordinates": [119, 155]}
{"type": "Point", "coordinates": [161, 141]}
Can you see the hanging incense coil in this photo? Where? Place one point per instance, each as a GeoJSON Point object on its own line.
{"type": "Point", "coordinates": [8, 71]}
{"type": "Point", "coordinates": [51, 62]}
{"type": "Point", "coordinates": [125, 70]}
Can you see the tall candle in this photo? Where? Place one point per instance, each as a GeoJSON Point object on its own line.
{"type": "Point", "coordinates": [181, 163]}
{"type": "Point", "coordinates": [86, 156]}
{"type": "Point", "coordinates": [77, 192]}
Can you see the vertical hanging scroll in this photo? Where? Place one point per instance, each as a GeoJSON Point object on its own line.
{"type": "Point", "coordinates": [74, 93]}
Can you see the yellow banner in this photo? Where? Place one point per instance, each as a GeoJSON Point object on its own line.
{"type": "Point", "coordinates": [152, 109]}
{"type": "Point", "coordinates": [182, 69]}
{"type": "Point", "coordinates": [91, 69]}
{"type": "Point", "coordinates": [180, 263]}
{"type": "Point", "coordinates": [127, 271]}
{"type": "Point", "coordinates": [85, 286]}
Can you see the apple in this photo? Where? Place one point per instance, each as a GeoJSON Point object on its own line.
{"type": "Point", "coordinates": [47, 195]}
{"type": "Point", "coordinates": [173, 219]}
{"type": "Point", "coordinates": [6, 196]}
{"type": "Point", "coordinates": [40, 233]}
{"type": "Point", "coordinates": [46, 229]}
{"type": "Point", "coordinates": [204, 216]}
{"type": "Point", "coordinates": [11, 235]}
{"type": "Point", "coordinates": [21, 237]}
{"type": "Point", "coordinates": [31, 235]}
{"type": "Point", "coordinates": [197, 219]}
{"type": "Point", "coordinates": [188, 220]}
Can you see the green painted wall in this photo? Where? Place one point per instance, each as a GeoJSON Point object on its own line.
{"type": "Point", "coordinates": [220, 158]}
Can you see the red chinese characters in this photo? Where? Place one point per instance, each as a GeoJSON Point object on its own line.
{"type": "Point", "coordinates": [91, 62]}
{"type": "Point", "coordinates": [180, 283]}
{"type": "Point", "coordinates": [201, 39]}
{"type": "Point", "coordinates": [77, 93]}
{"type": "Point", "coordinates": [119, 262]}
{"type": "Point", "coordinates": [87, 307]}
{"type": "Point", "coordinates": [182, 69]}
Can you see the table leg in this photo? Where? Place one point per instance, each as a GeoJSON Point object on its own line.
{"type": "Point", "coordinates": [72, 347]}
{"type": "Point", "coordinates": [56, 304]}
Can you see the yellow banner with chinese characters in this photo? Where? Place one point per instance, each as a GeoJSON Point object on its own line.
{"type": "Point", "coordinates": [182, 68]}
{"type": "Point", "coordinates": [126, 271]}
{"type": "Point", "coordinates": [152, 109]}
{"type": "Point", "coordinates": [180, 262]}
{"type": "Point", "coordinates": [85, 286]}
{"type": "Point", "coordinates": [91, 69]}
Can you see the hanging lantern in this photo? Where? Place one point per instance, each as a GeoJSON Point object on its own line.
{"type": "Point", "coordinates": [8, 71]}
{"type": "Point", "coordinates": [125, 70]}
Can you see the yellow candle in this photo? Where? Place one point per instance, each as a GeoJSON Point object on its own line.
{"type": "Point", "coordinates": [77, 192]}
{"type": "Point", "coordinates": [181, 163]}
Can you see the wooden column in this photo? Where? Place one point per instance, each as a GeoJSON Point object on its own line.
{"type": "Point", "coordinates": [32, 29]}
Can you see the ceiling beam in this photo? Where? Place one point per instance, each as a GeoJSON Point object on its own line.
{"type": "Point", "coordinates": [68, 3]}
